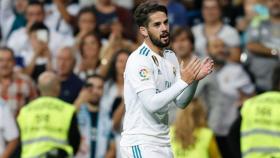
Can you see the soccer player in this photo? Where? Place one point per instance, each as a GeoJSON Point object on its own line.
{"type": "Point", "coordinates": [155, 83]}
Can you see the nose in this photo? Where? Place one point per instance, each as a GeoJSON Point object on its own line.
{"type": "Point", "coordinates": [164, 27]}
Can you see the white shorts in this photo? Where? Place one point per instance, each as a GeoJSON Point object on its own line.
{"type": "Point", "coordinates": [146, 151]}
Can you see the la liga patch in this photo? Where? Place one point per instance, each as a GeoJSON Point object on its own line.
{"type": "Point", "coordinates": [144, 74]}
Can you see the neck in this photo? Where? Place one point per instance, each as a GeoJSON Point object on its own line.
{"type": "Point", "coordinates": [213, 23]}
{"type": "Point", "coordinates": [90, 63]}
{"type": "Point", "coordinates": [154, 48]}
{"type": "Point", "coordinates": [64, 77]}
{"type": "Point", "coordinates": [48, 94]}
{"type": "Point", "coordinates": [92, 107]}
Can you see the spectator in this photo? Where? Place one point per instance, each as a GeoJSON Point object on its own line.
{"type": "Point", "coordinates": [48, 125]}
{"type": "Point", "coordinates": [213, 26]}
{"type": "Point", "coordinates": [92, 121]}
{"type": "Point", "coordinates": [177, 14]}
{"type": "Point", "coordinates": [19, 40]}
{"type": "Point", "coordinates": [183, 43]}
{"type": "Point", "coordinates": [116, 42]}
{"type": "Point", "coordinates": [61, 15]}
{"type": "Point", "coordinates": [86, 23]}
{"type": "Point", "coordinates": [8, 131]}
{"type": "Point", "coordinates": [11, 17]}
{"type": "Point", "coordinates": [260, 122]}
{"type": "Point", "coordinates": [254, 13]}
{"type": "Point", "coordinates": [71, 84]}
{"type": "Point", "coordinates": [113, 90]}
{"type": "Point", "coordinates": [223, 92]}
{"type": "Point", "coordinates": [113, 103]}
{"type": "Point", "coordinates": [89, 51]}
{"type": "Point", "coordinates": [40, 58]}
{"type": "Point", "coordinates": [195, 139]}
{"type": "Point", "coordinates": [264, 47]}
{"type": "Point", "coordinates": [107, 12]}
{"type": "Point", "coordinates": [15, 88]}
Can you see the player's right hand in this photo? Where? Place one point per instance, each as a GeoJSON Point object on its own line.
{"type": "Point", "coordinates": [189, 72]}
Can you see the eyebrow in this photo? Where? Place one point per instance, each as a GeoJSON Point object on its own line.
{"type": "Point", "coordinates": [158, 22]}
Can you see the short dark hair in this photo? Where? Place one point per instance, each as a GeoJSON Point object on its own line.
{"type": "Point", "coordinates": [36, 2]}
{"type": "Point", "coordinates": [142, 12]}
{"type": "Point", "coordinates": [96, 76]}
{"type": "Point", "coordinates": [218, 2]}
{"type": "Point", "coordinates": [38, 26]}
{"type": "Point", "coordinates": [84, 10]}
{"type": "Point", "coordinates": [5, 48]}
{"type": "Point", "coordinates": [176, 31]}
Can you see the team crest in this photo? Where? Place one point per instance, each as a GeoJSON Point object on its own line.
{"type": "Point", "coordinates": [155, 60]}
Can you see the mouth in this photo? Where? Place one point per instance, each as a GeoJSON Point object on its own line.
{"type": "Point", "coordinates": [165, 36]}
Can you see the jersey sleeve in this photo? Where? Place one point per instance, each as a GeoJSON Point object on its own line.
{"type": "Point", "coordinates": [139, 73]}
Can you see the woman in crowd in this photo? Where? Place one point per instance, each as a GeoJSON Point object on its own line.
{"type": "Point", "coordinates": [190, 138]}
{"type": "Point", "coordinates": [86, 23]}
{"type": "Point", "coordinates": [113, 92]}
{"type": "Point", "coordinates": [89, 52]}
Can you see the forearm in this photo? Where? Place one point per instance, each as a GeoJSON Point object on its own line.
{"type": "Point", "coordinates": [10, 148]}
{"type": "Point", "coordinates": [186, 96]}
{"type": "Point", "coordinates": [154, 102]}
{"type": "Point", "coordinates": [30, 67]}
{"type": "Point", "coordinates": [259, 49]}
{"type": "Point", "coordinates": [117, 117]}
{"type": "Point", "coordinates": [64, 13]}
{"type": "Point", "coordinates": [106, 60]}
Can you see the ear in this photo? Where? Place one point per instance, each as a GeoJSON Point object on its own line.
{"type": "Point", "coordinates": [143, 31]}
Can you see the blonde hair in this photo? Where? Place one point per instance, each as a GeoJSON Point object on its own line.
{"type": "Point", "coordinates": [189, 119]}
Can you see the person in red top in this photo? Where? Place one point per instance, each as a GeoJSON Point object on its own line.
{"type": "Point", "coordinates": [15, 88]}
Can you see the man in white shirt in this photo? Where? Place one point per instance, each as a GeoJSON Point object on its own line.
{"type": "Point", "coordinates": [214, 27]}
{"type": "Point", "coordinates": [154, 84]}
{"type": "Point", "coordinates": [8, 131]}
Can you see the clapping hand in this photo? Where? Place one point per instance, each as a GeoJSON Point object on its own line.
{"type": "Point", "coordinates": [206, 67]}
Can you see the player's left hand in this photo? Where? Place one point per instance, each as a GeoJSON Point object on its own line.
{"type": "Point", "coordinates": [206, 68]}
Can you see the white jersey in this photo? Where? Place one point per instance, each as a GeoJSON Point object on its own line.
{"type": "Point", "coordinates": [146, 69]}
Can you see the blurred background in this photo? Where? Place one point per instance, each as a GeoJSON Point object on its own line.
{"type": "Point", "coordinates": [86, 44]}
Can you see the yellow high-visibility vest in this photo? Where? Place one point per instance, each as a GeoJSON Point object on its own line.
{"type": "Point", "coordinates": [199, 150]}
{"type": "Point", "coordinates": [260, 127]}
{"type": "Point", "coordinates": [44, 124]}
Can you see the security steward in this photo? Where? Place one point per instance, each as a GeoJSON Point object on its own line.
{"type": "Point", "coordinates": [260, 127]}
{"type": "Point", "coordinates": [48, 125]}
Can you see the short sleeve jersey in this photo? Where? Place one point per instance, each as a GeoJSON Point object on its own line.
{"type": "Point", "coordinates": [144, 70]}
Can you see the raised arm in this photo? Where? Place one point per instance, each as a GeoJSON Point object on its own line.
{"type": "Point", "coordinates": [154, 102]}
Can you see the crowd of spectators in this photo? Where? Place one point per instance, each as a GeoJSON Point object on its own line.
{"type": "Point", "coordinates": [86, 43]}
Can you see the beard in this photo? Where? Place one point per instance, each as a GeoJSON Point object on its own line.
{"type": "Point", "coordinates": [157, 42]}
